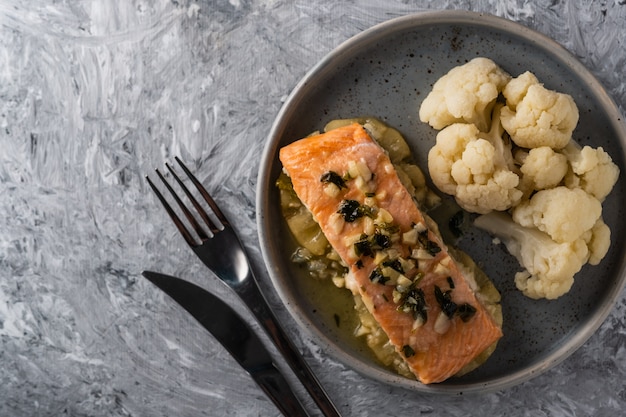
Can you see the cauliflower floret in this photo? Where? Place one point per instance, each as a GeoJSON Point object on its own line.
{"type": "Point", "coordinates": [535, 116]}
{"type": "Point", "coordinates": [466, 93]}
{"type": "Point", "coordinates": [497, 193]}
{"type": "Point", "coordinates": [475, 167]}
{"type": "Point", "coordinates": [564, 214]}
{"type": "Point", "coordinates": [593, 170]}
{"type": "Point", "coordinates": [449, 146]}
{"type": "Point", "coordinates": [543, 168]}
{"type": "Point", "coordinates": [549, 266]}
{"type": "Point", "coordinates": [598, 241]}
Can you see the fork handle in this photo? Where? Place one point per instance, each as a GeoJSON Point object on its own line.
{"type": "Point", "coordinates": [251, 294]}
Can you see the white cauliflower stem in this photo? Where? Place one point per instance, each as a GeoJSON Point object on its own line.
{"type": "Point", "coordinates": [466, 94]}
{"type": "Point", "coordinates": [535, 116]}
{"type": "Point", "coordinates": [549, 266]}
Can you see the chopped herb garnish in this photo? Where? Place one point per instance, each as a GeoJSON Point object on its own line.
{"type": "Point", "coordinates": [334, 178]}
{"type": "Point", "coordinates": [451, 283]}
{"type": "Point", "coordinates": [381, 240]}
{"type": "Point", "coordinates": [457, 223]}
{"type": "Point", "coordinates": [431, 247]}
{"type": "Point", "coordinates": [390, 228]}
{"type": "Point", "coordinates": [370, 194]}
{"type": "Point", "coordinates": [466, 312]}
{"type": "Point", "coordinates": [349, 209]}
{"type": "Point", "coordinates": [352, 210]}
{"type": "Point", "coordinates": [444, 299]}
{"type": "Point", "coordinates": [363, 247]}
{"type": "Point", "coordinates": [394, 264]}
{"type": "Point", "coordinates": [407, 351]}
{"type": "Point", "coordinates": [377, 277]}
{"type": "Point", "coordinates": [414, 302]}
{"type": "Point", "coordinates": [337, 319]}
{"type": "Point", "coordinates": [359, 264]}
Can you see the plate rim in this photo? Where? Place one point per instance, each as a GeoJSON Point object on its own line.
{"type": "Point", "coordinates": [356, 42]}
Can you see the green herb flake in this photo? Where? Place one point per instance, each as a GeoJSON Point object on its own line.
{"type": "Point", "coordinates": [334, 178]}
{"type": "Point", "coordinates": [337, 319]}
{"type": "Point", "coordinates": [444, 299]}
{"type": "Point", "coordinates": [457, 223]}
{"type": "Point", "coordinates": [377, 277]}
{"type": "Point", "coordinates": [414, 301]}
{"type": "Point", "coordinates": [451, 283]}
{"type": "Point", "coordinates": [383, 241]}
{"type": "Point", "coordinates": [363, 247]}
{"type": "Point", "coordinates": [466, 312]}
{"type": "Point", "coordinates": [431, 247]}
{"type": "Point", "coordinates": [407, 351]}
{"type": "Point", "coordinates": [349, 209]}
{"type": "Point", "coordinates": [394, 264]}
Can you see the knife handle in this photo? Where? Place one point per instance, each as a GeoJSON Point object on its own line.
{"type": "Point", "coordinates": [250, 293]}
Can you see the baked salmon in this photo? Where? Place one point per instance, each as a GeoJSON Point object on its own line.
{"type": "Point", "coordinates": [398, 263]}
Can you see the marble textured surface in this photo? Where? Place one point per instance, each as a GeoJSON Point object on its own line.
{"type": "Point", "coordinates": [96, 93]}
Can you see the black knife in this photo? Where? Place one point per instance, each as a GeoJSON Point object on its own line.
{"type": "Point", "coordinates": [235, 335]}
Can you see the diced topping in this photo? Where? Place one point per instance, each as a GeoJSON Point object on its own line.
{"type": "Point", "coordinates": [407, 351]}
{"type": "Point", "coordinates": [377, 276]}
{"type": "Point", "coordinates": [359, 169]}
{"type": "Point", "coordinates": [430, 246]}
{"type": "Point", "coordinates": [410, 237]}
{"type": "Point", "coordinates": [363, 247]}
{"type": "Point", "coordinates": [332, 190]}
{"type": "Point", "coordinates": [466, 311]}
{"type": "Point", "coordinates": [450, 283]}
{"type": "Point", "coordinates": [332, 177]}
{"type": "Point", "coordinates": [413, 301]}
{"type": "Point", "coordinates": [421, 254]}
{"type": "Point", "coordinates": [351, 210]}
{"type": "Point", "coordinates": [336, 222]}
{"type": "Point", "coordinates": [377, 240]}
{"type": "Point", "coordinates": [384, 217]}
{"type": "Point", "coordinates": [442, 324]}
{"type": "Point", "coordinates": [448, 307]}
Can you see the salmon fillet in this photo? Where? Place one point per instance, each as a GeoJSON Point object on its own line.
{"type": "Point", "coordinates": [398, 264]}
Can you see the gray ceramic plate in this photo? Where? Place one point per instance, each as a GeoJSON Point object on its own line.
{"type": "Point", "coordinates": [386, 72]}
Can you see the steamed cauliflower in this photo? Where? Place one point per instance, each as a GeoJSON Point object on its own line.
{"type": "Point", "coordinates": [549, 266]}
{"type": "Point", "coordinates": [592, 170]}
{"type": "Point", "coordinates": [598, 241]}
{"type": "Point", "coordinates": [465, 94]}
{"type": "Point", "coordinates": [475, 167]}
{"type": "Point", "coordinates": [564, 214]}
{"type": "Point", "coordinates": [535, 116]}
{"type": "Point", "coordinates": [542, 168]}
{"type": "Point", "coordinates": [538, 191]}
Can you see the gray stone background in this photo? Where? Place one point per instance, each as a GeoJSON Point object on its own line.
{"type": "Point", "coordinates": [94, 95]}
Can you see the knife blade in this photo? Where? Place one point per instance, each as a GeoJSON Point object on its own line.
{"type": "Point", "coordinates": [235, 335]}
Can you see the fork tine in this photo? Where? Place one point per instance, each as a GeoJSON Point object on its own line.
{"type": "Point", "coordinates": [212, 226]}
{"type": "Point", "coordinates": [196, 226]}
{"type": "Point", "coordinates": [205, 194]}
{"type": "Point", "coordinates": [177, 221]}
